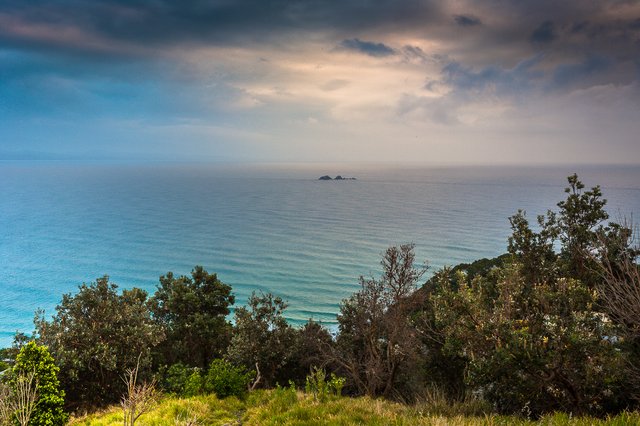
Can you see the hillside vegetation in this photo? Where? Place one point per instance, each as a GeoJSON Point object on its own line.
{"type": "Point", "coordinates": [287, 407]}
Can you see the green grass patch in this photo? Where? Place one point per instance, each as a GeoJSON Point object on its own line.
{"type": "Point", "coordinates": [287, 406]}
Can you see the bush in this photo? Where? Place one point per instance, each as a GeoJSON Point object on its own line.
{"type": "Point", "coordinates": [533, 348]}
{"type": "Point", "coordinates": [225, 379]}
{"type": "Point", "coordinates": [175, 378]}
{"type": "Point", "coordinates": [195, 384]}
{"type": "Point", "coordinates": [50, 398]}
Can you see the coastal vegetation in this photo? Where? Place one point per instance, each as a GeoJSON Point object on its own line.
{"type": "Point", "coordinates": [547, 332]}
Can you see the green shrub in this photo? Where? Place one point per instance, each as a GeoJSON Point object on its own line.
{"type": "Point", "coordinates": [49, 409]}
{"type": "Point", "coordinates": [321, 389]}
{"type": "Point", "coordinates": [194, 384]}
{"type": "Point", "coordinates": [175, 378]}
{"type": "Point", "coordinates": [225, 379]}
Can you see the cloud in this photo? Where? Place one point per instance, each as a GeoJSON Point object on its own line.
{"type": "Point", "coordinates": [571, 74]}
{"type": "Point", "coordinates": [545, 33]}
{"type": "Point", "coordinates": [267, 65]}
{"type": "Point", "coordinates": [140, 23]}
{"type": "Point", "coordinates": [377, 50]}
{"type": "Point", "coordinates": [494, 79]}
{"type": "Point", "coordinates": [466, 20]}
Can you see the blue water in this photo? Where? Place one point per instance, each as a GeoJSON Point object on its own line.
{"type": "Point", "coordinates": [270, 228]}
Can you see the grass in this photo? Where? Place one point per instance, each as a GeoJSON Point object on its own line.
{"type": "Point", "coordinates": [287, 406]}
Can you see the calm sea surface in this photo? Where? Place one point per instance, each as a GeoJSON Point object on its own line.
{"type": "Point", "coordinates": [262, 228]}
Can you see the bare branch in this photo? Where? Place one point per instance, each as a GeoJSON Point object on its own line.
{"type": "Point", "coordinates": [257, 380]}
{"type": "Point", "coordinates": [139, 399]}
{"type": "Point", "coordinates": [22, 401]}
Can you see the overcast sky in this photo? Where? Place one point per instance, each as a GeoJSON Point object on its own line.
{"type": "Point", "coordinates": [497, 81]}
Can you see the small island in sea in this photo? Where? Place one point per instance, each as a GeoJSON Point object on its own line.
{"type": "Point", "coordinates": [327, 177]}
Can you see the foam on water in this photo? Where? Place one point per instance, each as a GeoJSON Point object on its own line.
{"type": "Point", "coordinates": [263, 228]}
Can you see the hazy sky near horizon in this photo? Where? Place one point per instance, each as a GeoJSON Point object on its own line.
{"type": "Point", "coordinates": [496, 81]}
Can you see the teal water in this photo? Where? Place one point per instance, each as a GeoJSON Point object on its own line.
{"type": "Point", "coordinates": [269, 228]}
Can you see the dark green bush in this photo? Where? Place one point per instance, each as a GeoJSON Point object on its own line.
{"type": "Point", "coordinates": [175, 378]}
{"type": "Point", "coordinates": [225, 379]}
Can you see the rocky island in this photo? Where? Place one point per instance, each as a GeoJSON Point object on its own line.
{"type": "Point", "coordinates": [327, 177]}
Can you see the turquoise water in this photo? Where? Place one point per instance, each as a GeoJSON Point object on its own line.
{"type": "Point", "coordinates": [269, 228]}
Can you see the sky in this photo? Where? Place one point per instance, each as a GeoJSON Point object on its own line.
{"type": "Point", "coordinates": [453, 81]}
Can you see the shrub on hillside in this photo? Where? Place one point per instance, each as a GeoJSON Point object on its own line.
{"type": "Point", "coordinates": [225, 379]}
{"type": "Point", "coordinates": [534, 347]}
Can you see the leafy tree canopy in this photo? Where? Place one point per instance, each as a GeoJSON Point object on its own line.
{"type": "Point", "coordinates": [95, 336]}
{"type": "Point", "coordinates": [192, 311]}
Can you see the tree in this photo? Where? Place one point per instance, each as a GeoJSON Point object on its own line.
{"type": "Point", "coordinates": [263, 339]}
{"type": "Point", "coordinates": [535, 347]}
{"type": "Point", "coordinates": [313, 343]}
{"type": "Point", "coordinates": [377, 337]}
{"type": "Point", "coordinates": [36, 360]}
{"type": "Point", "coordinates": [95, 336]}
{"type": "Point", "coordinates": [575, 227]}
{"type": "Point", "coordinates": [534, 250]}
{"type": "Point", "coordinates": [579, 222]}
{"type": "Point", "coordinates": [192, 311]}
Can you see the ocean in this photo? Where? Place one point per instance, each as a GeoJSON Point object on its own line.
{"type": "Point", "coordinates": [271, 228]}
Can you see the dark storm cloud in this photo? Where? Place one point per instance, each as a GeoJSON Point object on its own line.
{"type": "Point", "coordinates": [367, 47]}
{"type": "Point", "coordinates": [136, 27]}
{"type": "Point", "coordinates": [466, 20]}
{"type": "Point", "coordinates": [545, 33]}
{"type": "Point", "coordinates": [145, 23]}
{"type": "Point", "coordinates": [574, 35]}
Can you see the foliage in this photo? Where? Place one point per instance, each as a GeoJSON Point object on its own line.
{"type": "Point", "coordinates": [194, 384]}
{"type": "Point", "coordinates": [225, 379]}
{"type": "Point", "coordinates": [579, 222]}
{"type": "Point", "coordinates": [36, 360]}
{"type": "Point", "coordinates": [263, 339]}
{"type": "Point", "coordinates": [377, 337]}
{"type": "Point", "coordinates": [321, 388]}
{"type": "Point", "coordinates": [95, 336]}
{"type": "Point", "coordinates": [312, 344]}
{"type": "Point", "coordinates": [192, 311]}
{"type": "Point", "coordinates": [534, 347]}
{"type": "Point", "coordinates": [575, 227]}
{"type": "Point", "coordinates": [529, 332]}
{"type": "Point", "coordinates": [174, 379]}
